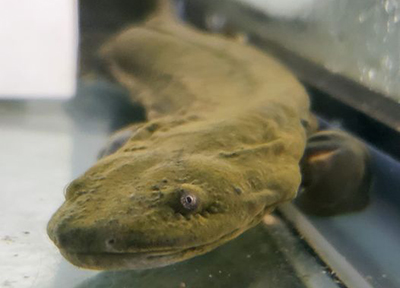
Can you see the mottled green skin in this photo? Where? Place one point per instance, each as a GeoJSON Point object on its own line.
{"type": "Point", "coordinates": [225, 126]}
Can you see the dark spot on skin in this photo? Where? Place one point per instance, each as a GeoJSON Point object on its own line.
{"type": "Point", "coordinates": [228, 154]}
{"type": "Point", "coordinates": [193, 117]}
{"type": "Point", "coordinates": [152, 127]}
{"type": "Point", "coordinates": [137, 148]}
{"type": "Point", "coordinates": [26, 232]}
{"type": "Point", "coordinates": [113, 222]}
{"type": "Point", "coordinates": [238, 191]}
{"type": "Point", "coordinates": [165, 181]}
{"type": "Point", "coordinates": [305, 123]}
{"type": "Point", "coordinates": [213, 210]}
{"type": "Point", "coordinates": [255, 183]}
{"type": "Point", "coordinates": [155, 187]}
{"type": "Point", "coordinates": [157, 195]}
{"type": "Point", "coordinates": [205, 214]}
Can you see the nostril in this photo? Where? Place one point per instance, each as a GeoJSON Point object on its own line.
{"type": "Point", "coordinates": [110, 245]}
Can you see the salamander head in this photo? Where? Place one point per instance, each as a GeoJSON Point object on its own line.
{"type": "Point", "coordinates": [151, 212]}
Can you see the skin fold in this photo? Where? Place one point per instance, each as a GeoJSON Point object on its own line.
{"type": "Point", "coordinates": [222, 147]}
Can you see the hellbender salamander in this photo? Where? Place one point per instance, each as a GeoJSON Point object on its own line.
{"type": "Point", "coordinates": [227, 130]}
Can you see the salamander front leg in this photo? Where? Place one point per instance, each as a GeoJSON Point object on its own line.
{"type": "Point", "coordinates": [336, 174]}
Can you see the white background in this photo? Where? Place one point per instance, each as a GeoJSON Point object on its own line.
{"type": "Point", "coordinates": [38, 48]}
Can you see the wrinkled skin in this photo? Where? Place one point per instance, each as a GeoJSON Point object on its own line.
{"type": "Point", "coordinates": [226, 130]}
{"type": "Point", "coordinates": [127, 207]}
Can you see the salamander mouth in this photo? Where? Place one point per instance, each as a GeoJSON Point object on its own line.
{"type": "Point", "coordinates": [142, 260]}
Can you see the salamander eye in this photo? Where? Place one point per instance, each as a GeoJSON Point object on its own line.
{"type": "Point", "coordinates": [189, 201]}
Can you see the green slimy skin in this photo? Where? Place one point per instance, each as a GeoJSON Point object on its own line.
{"type": "Point", "coordinates": [225, 129]}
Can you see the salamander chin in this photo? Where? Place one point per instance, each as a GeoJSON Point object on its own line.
{"type": "Point", "coordinates": [141, 260]}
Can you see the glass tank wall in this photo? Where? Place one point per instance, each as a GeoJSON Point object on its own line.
{"type": "Point", "coordinates": [359, 39]}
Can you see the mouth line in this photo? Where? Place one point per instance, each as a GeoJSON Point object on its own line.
{"type": "Point", "coordinates": [146, 254]}
{"type": "Point", "coordinates": [157, 254]}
